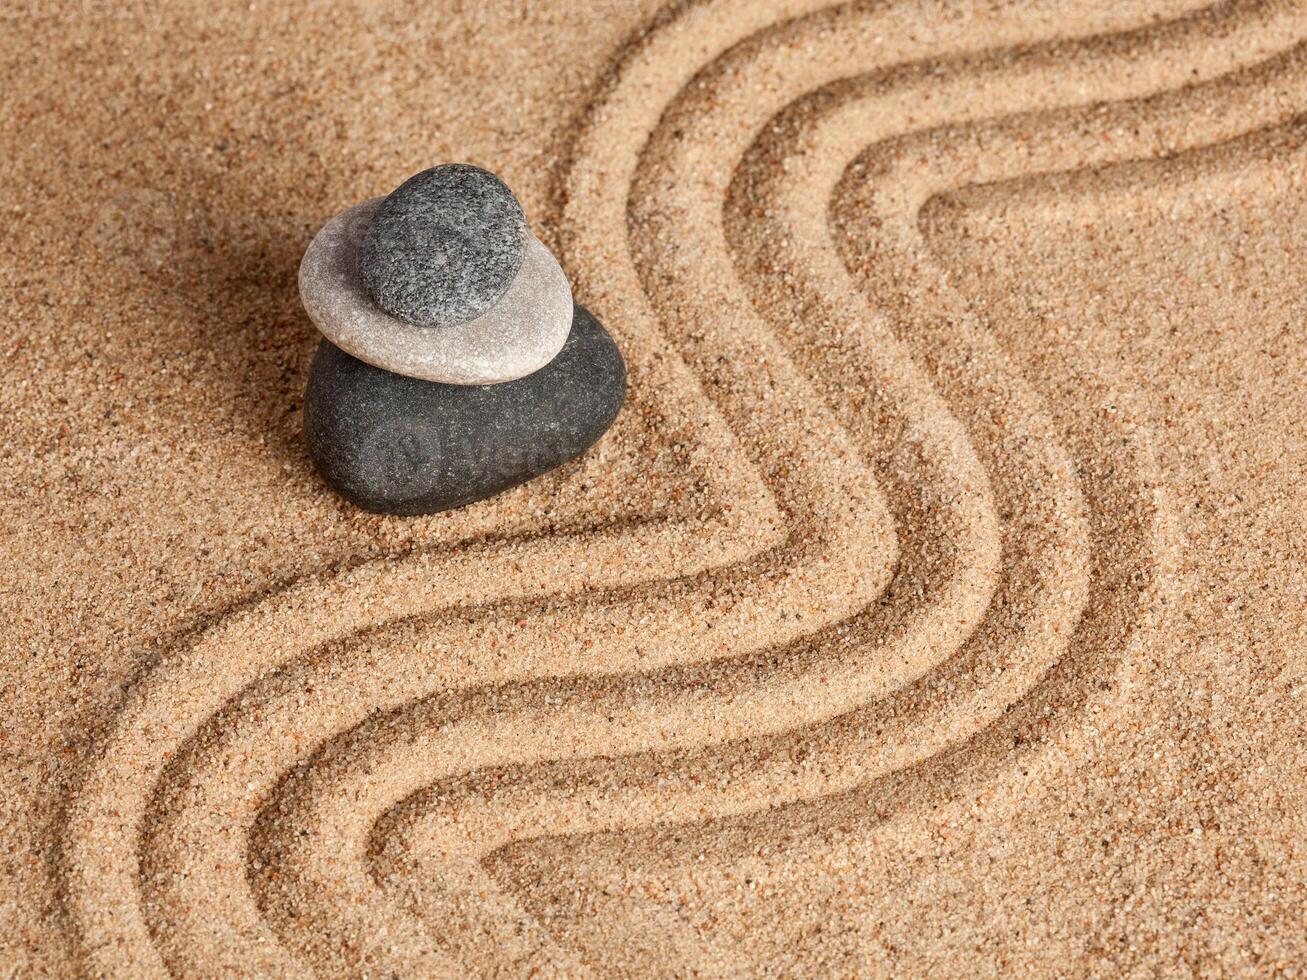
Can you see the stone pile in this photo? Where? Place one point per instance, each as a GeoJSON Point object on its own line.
{"type": "Point", "coordinates": [455, 362]}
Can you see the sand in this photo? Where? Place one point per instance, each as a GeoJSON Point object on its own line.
{"type": "Point", "coordinates": [936, 605]}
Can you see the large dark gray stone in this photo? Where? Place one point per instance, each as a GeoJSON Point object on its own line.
{"type": "Point", "coordinates": [399, 445]}
{"type": "Point", "coordinates": [444, 246]}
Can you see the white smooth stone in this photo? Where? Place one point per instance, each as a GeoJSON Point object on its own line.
{"type": "Point", "coordinates": [521, 333]}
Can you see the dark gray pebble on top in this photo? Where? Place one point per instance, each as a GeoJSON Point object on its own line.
{"type": "Point", "coordinates": [444, 246]}
{"type": "Point", "coordinates": [399, 445]}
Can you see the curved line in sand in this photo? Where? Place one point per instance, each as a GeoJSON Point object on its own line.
{"type": "Point", "coordinates": [432, 732]}
{"type": "Point", "coordinates": [102, 869]}
{"type": "Point", "coordinates": [465, 838]}
{"type": "Point", "coordinates": [235, 638]}
{"type": "Point", "coordinates": [829, 542]}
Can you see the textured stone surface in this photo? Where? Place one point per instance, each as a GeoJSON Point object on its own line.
{"type": "Point", "coordinates": [519, 334]}
{"type": "Point", "coordinates": [444, 246]}
{"type": "Point", "coordinates": [404, 446]}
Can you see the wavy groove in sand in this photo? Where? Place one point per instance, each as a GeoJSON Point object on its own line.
{"type": "Point", "coordinates": [369, 851]}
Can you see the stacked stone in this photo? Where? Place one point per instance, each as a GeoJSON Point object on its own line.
{"type": "Point", "coordinates": [455, 362]}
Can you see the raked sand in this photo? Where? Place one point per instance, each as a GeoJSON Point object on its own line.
{"type": "Point", "coordinates": [935, 606]}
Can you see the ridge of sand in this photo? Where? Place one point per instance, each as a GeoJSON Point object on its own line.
{"type": "Point", "coordinates": [919, 557]}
